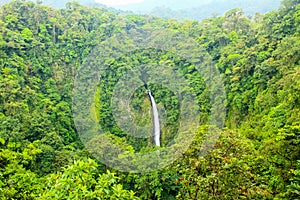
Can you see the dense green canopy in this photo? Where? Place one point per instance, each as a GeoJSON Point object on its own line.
{"type": "Point", "coordinates": [257, 155]}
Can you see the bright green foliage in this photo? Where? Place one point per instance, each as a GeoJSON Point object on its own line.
{"type": "Point", "coordinates": [80, 181]}
{"type": "Point", "coordinates": [41, 156]}
{"type": "Point", "coordinates": [16, 181]}
{"type": "Point", "coordinates": [231, 170]}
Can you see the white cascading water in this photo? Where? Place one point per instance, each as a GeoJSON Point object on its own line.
{"type": "Point", "coordinates": [155, 120]}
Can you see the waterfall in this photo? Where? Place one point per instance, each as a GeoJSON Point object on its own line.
{"type": "Point", "coordinates": [155, 121]}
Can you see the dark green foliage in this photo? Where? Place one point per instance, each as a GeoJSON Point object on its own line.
{"type": "Point", "coordinates": [42, 157]}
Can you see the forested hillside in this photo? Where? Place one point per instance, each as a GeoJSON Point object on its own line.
{"type": "Point", "coordinates": [199, 10]}
{"type": "Point", "coordinates": [256, 156]}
